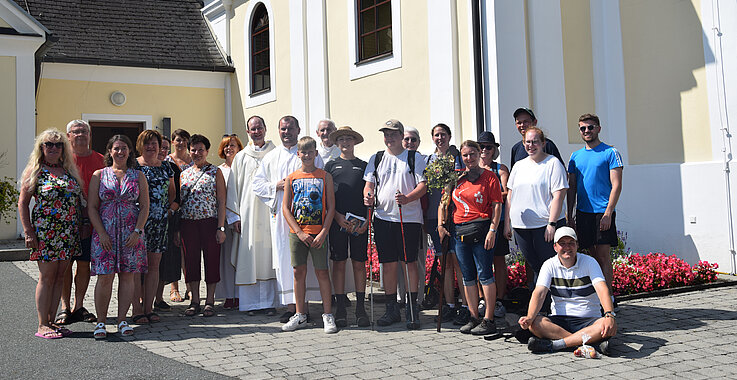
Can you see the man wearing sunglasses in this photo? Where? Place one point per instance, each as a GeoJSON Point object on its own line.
{"type": "Point", "coordinates": [523, 119]}
{"type": "Point", "coordinates": [595, 180]}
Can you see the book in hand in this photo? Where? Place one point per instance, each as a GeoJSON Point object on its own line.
{"type": "Point", "coordinates": [356, 221]}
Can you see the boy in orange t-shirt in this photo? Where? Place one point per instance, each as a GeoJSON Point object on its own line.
{"type": "Point", "coordinates": [309, 207]}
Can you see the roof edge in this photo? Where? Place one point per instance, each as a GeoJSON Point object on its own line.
{"type": "Point", "coordinates": [108, 62]}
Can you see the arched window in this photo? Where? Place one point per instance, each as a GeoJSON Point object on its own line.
{"type": "Point", "coordinates": [374, 28]}
{"type": "Point", "coordinates": [260, 67]}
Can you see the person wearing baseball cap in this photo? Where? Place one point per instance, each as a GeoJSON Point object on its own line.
{"type": "Point", "coordinates": [523, 119]}
{"type": "Point", "coordinates": [395, 179]}
{"type": "Point", "coordinates": [579, 293]}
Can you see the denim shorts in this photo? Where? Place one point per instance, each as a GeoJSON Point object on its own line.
{"type": "Point", "coordinates": [475, 262]}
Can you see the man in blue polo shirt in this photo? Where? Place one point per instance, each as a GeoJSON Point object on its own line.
{"type": "Point", "coordinates": [595, 180]}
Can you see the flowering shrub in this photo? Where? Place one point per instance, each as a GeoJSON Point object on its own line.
{"type": "Point", "coordinates": [643, 273]}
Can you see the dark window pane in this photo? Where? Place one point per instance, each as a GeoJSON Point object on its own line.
{"type": "Point", "coordinates": [365, 3]}
{"type": "Point", "coordinates": [368, 47]}
{"type": "Point", "coordinates": [385, 41]}
{"type": "Point", "coordinates": [261, 41]}
{"type": "Point", "coordinates": [260, 50]}
{"type": "Point", "coordinates": [368, 21]}
{"type": "Point", "coordinates": [385, 15]}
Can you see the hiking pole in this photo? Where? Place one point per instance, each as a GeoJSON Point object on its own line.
{"type": "Point", "coordinates": [441, 285]}
{"type": "Point", "coordinates": [406, 265]}
{"type": "Point", "coordinates": [369, 258]}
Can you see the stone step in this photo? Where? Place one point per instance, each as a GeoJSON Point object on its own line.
{"type": "Point", "coordinates": [13, 250]}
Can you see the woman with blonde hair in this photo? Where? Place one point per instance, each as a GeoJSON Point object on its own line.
{"type": "Point", "coordinates": [52, 179]}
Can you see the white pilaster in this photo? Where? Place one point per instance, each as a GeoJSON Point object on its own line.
{"type": "Point", "coordinates": [298, 63]}
{"type": "Point", "coordinates": [317, 79]}
{"type": "Point", "coordinates": [609, 85]}
{"type": "Point", "coordinates": [443, 66]}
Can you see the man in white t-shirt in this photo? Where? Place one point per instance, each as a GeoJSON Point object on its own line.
{"type": "Point", "coordinates": [396, 184]}
{"type": "Point", "coordinates": [578, 289]}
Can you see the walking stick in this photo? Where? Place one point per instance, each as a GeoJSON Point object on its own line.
{"type": "Point", "coordinates": [406, 265]}
{"type": "Point", "coordinates": [371, 271]}
{"type": "Point", "coordinates": [444, 249]}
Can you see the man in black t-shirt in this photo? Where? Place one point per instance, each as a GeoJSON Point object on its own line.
{"type": "Point", "coordinates": [346, 231]}
{"type": "Point", "coordinates": [523, 119]}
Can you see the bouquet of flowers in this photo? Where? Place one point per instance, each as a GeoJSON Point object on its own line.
{"type": "Point", "coordinates": [441, 172]}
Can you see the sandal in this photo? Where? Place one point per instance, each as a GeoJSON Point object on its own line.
{"type": "Point", "coordinates": [192, 310]}
{"type": "Point", "coordinates": [124, 329]}
{"type": "Point", "coordinates": [174, 296]}
{"type": "Point", "coordinates": [83, 315]}
{"type": "Point", "coordinates": [153, 317]}
{"type": "Point", "coordinates": [137, 319]}
{"type": "Point", "coordinates": [100, 332]}
{"type": "Point", "coordinates": [49, 335]}
{"type": "Point", "coordinates": [65, 332]}
{"type": "Point", "coordinates": [64, 318]}
{"type": "Point", "coordinates": [209, 310]}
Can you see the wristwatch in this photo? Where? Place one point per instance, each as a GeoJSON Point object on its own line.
{"type": "Point", "coordinates": [138, 231]}
{"type": "Point", "coordinates": [221, 229]}
{"type": "Point", "coordinates": [552, 224]}
{"type": "Point", "coordinates": [610, 314]}
{"type": "Point", "coordinates": [492, 230]}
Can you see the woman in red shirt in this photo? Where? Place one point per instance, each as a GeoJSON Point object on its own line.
{"type": "Point", "coordinates": [476, 209]}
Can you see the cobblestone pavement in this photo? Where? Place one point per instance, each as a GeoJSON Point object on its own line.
{"type": "Point", "coordinates": [689, 335]}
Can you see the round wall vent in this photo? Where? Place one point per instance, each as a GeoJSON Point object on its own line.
{"type": "Point", "coordinates": [117, 98]}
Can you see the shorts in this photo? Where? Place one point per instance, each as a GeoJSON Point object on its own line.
{"type": "Point", "coordinates": [86, 245]}
{"type": "Point", "coordinates": [531, 241]}
{"type": "Point", "coordinates": [388, 237]}
{"type": "Point", "coordinates": [501, 244]}
{"type": "Point", "coordinates": [340, 241]}
{"type": "Point", "coordinates": [299, 251]}
{"type": "Point", "coordinates": [587, 229]}
{"type": "Point", "coordinates": [475, 262]}
{"type": "Point", "coordinates": [431, 226]}
{"type": "Point", "coordinates": [573, 324]}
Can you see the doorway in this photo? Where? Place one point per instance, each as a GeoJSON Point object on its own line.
{"type": "Point", "coordinates": [102, 131]}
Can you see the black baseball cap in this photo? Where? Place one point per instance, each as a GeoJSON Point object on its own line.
{"type": "Point", "coordinates": [525, 110]}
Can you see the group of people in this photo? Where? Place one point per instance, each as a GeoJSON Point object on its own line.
{"type": "Point", "coordinates": [273, 220]}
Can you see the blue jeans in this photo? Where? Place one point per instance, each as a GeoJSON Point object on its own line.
{"type": "Point", "coordinates": [432, 229]}
{"type": "Point", "coordinates": [475, 262]}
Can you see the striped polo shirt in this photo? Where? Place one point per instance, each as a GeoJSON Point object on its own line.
{"type": "Point", "coordinates": [572, 289]}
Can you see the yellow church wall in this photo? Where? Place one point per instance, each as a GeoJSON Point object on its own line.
{"type": "Point", "coordinates": [665, 83]}
{"type": "Point", "coordinates": [271, 111]}
{"type": "Point", "coordinates": [197, 110]}
{"type": "Point", "coordinates": [402, 93]}
{"type": "Point", "coordinates": [8, 99]}
{"type": "Point", "coordinates": [577, 63]}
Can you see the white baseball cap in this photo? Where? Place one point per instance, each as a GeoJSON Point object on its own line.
{"type": "Point", "coordinates": [565, 231]}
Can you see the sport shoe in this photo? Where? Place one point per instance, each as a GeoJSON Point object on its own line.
{"type": "Point", "coordinates": [604, 347]}
{"type": "Point", "coordinates": [297, 321]}
{"type": "Point", "coordinates": [463, 317]}
{"type": "Point", "coordinates": [391, 315]}
{"type": "Point", "coordinates": [328, 322]}
{"type": "Point", "coordinates": [499, 310]}
{"type": "Point", "coordinates": [470, 325]}
{"type": "Point", "coordinates": [539, 345]}
{"type": "Point", "coordinates": [447, 314]}
{"type": "Point", "coordinates": [286, 316]}
{"type": "Point", "coordinates": [486, 327]}
{"type": "Point", "coordinates": [362, 320]}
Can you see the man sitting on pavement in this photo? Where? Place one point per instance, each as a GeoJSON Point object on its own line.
{"type": "Point", "coordinates": [578, 290]}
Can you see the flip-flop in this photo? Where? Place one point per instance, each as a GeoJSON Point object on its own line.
{"type": "Point", "coordinates": [209, 310]}
{"type": "Point", "coordinates": [50, 335]}
{"type": "Point", "coordinates": [61, 330]}
{"type": "Point", "coordinates": [64, 317]}
{"type": "Point", "coordinates": [82, 314]}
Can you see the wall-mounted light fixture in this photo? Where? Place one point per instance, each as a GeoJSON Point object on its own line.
{"type": "Point", "coordinates": [117, 98]}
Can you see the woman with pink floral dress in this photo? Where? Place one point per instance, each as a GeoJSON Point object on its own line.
{"type": "Point", "coordinates": [117, 242]}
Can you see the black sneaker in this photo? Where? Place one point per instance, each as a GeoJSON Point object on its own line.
{"type": "Point", "coordinates": [447, 314]}
{"type": "Point", "coordinates": [286, 316]}
{"type": "Point", "coordinates": [413, 320]}
{"type": "Point", "coordinates": [472, 323]}
{"type": "Point", "coordinates": [362, 320]}
{"type": "Point", "coordinates": [463, 317]}
{"type": "Point", "coordinates": [341, 317]}
{"type": "Point", "coordinates": [391, 316]}
{"type": "Point", "coordinates": [486, 327]}
{"type": "Point", "coordinates": [539, 345]}
{"type": "Point", "coordinates": [604, 347]}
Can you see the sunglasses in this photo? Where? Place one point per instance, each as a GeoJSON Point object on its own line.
{"type": "Point", "coordinates": [410, 139]}
{"type": "Point", "coordinates": [232, 135]}
{"type": "Point", "coordinates": [49, 144]}
{"type": "Point", "coordinates": [487, 147]}
{"type": "Point", "coordinates": [583, 128]}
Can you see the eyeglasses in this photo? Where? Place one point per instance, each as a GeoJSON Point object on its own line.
{"type": "Point", "coordinates": [487, 147]}
{"type": "Point", "coordinates": [532, 142]}
{"type": "Point", "coordinates": [410, 139]}
{"type": "Point", "coordinates": [58, 144]}
{"type": "Point", "coordinates": [583, 128]}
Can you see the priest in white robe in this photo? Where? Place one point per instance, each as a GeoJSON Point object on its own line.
{"type": "Point", "coordinates": [251, 249]}
{"type": "Point", "coordinates": [268, 185]}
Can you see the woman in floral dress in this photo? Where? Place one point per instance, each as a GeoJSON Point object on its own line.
{"type": "Point", "coordinates": [117, 240]}
{"type": "Point", "coordinates": [52, 233]}
{"type": "Point", "coordinates": [161, 191]}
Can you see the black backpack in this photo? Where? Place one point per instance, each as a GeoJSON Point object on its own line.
{"type": "Point", "coordinates": [424, 200]}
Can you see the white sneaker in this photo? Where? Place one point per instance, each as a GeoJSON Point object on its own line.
{"type": "Point", "coordinates": [499, 310]}
{"type": "Point", "coordinates": [328, 322]}
{"type": "Point", "coordinates": [297, 321]}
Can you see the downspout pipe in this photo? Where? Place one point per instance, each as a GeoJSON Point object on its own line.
{"type": "Point", "coordinates": [477, 66]}
{"type": "Point", "coordinates": [40, 54]}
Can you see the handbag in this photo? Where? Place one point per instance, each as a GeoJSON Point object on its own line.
{"type": "Point", "coordinates": [472, 232]}
{"type": "Point", "coordinates": [176, 216]}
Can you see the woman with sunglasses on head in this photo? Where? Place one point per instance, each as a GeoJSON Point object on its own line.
{"type": "Point", "coordinates": [535, 192]}
{"type": "Point", "coordinates": [52, 231]}
{"type": "Point", "coordinates": [229, 146]}
{"type": "Point", "coordinates": [441, 135]}
{"type": "Point", "coordinates": [118, 210]}
{"type": "Point", "coordinates": [161, 193]}
{"type": "Point", "coordinates": [489, 153]}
